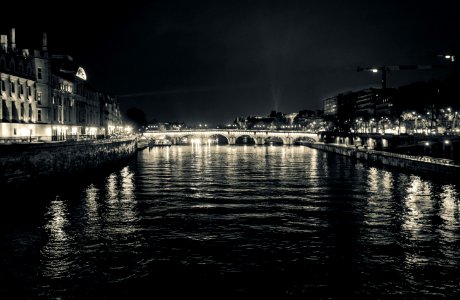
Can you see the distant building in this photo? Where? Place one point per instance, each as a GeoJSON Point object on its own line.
{"type": "Point", "coordinates": [366, 101]}
{"type": "Point", "coordinates": [162, 126]}
{"type": "Point", "coordinates": [330, 106]}
{"type": "Point", "coordinates": [47, 96]}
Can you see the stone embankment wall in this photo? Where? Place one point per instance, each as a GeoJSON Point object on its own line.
{"type": "Point", "coordinates": [21, 162]}
{"type": "Point", "coordinates": [409, 162]}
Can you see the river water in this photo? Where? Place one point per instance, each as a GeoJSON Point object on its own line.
{"type": "Point", "coordinates": [231, 221]}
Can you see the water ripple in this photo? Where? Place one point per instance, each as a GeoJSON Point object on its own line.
{"type": "Point", "coordinates": [260, 221]}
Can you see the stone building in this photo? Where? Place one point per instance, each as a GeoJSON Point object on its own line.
{"type": "Point", "coordinates": [47, 97]}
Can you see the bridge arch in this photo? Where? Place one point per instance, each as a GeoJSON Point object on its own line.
{"type": "Point", "coordinates": [219, 139]}
{"type": "Point", "coordinates": [304, 139]}
{"type": "Point", "coordinates": [245, 139]}
{"type": "Point", "coordinates": [275, 140]}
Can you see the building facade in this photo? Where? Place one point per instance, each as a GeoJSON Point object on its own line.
{"type": "Point", "coordinates": [46, 97]}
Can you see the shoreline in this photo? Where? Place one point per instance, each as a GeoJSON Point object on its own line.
{"type": "Point", "coordinates": [423, 164]}
{"type": "Point", "coordinates": [22, 163]}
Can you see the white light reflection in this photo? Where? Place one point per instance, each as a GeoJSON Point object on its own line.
{"type": "Point", "coordinates": [314, 167]}
{"type": "Point", "coordinates": [55, 255]}
{"type": "Point", "coordinates": [127, 183]}
{"type": "Point", "coordinates": [449, 214]}
{"type": "Point", "coordinates": [111, 186]}
{"type": "Point", "coordinates": [416, 224]}
{"type": "Point", "coordinates": [91, 196]}
{"type": "Point", "coordinates": [373, 180]}
{"type": "Point", "coordinates": [418, 194]}
{"type": "Point", "coordinates": [121, 212]}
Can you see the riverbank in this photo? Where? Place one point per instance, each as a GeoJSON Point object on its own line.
{"type": "Point", "coordinates": [423, 164]}
{"type": "Point", "coordinates": [23, 162]}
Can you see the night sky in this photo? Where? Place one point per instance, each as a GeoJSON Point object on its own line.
{"type": "Point", "coordinates": [209, 61]}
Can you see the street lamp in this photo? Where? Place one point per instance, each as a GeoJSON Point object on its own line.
{"type": "Point", "coordinates": [450, 57]}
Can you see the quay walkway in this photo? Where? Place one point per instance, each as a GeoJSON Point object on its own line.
{"type": "Point", "coordinates": [410, 162]}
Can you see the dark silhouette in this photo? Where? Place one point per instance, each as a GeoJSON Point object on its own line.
{"type": "Point", "coordinates": [136, 117]}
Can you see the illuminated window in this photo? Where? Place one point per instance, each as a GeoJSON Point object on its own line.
{"type": "Point", "coordinates": [39, 73]}
{"type": "Point", "coordinates": [39, 98]}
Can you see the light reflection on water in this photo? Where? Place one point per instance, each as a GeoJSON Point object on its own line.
{"type": "Point", "coordinates": [56, 254]}
{"type": "Point", "coordinates": [246, 220]}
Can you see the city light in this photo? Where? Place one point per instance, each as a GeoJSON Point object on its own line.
{"type": "Point", "coordinates": [374, 70]}
{"type": "Point", "coordinates": [196, 142]}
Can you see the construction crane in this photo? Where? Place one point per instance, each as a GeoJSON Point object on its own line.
{"type": "Point", "coordinates": [385, 69]}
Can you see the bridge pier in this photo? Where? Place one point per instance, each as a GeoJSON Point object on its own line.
{"type": "Point", "coordinates": [260, 140]}
{"type": "Point", "coordinates": [231, 140]}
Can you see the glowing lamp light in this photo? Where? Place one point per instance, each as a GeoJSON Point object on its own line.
{"type": "Point", "coordinates": [81, 73]}
{"type": "Point", "coordinates": [447, 142]}
{"type": "Point", "coordinates": [374, 70]}
{"type": "Point", "coordinates": [427, 144]}
{"type": "Point", "coordinates": [195, 141]}
{"type": "Point", "coordinates": [24, 131]}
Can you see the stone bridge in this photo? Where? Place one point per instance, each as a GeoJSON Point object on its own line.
{"type": "Point", "coordinates": [258, 136]}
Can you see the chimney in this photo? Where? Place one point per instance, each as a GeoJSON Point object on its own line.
{"type": "Point", "coordinates": [4, 41]}
{"type": "Point", "coordinates": [13, 39]}
{"type": "Point", "coordinates": [45, 42]}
